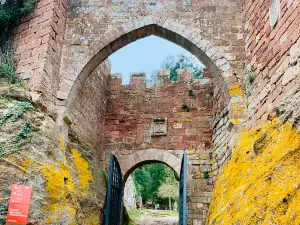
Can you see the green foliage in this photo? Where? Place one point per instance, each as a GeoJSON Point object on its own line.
{"type": "Point", "coordinates": [251, 78]}
{"type": "Point", "coordinates": [16, 111]}
{"type": "Point", "coordinates": [191, 93]}
{"type": "Point", "coordinates": [169, 188]}
{"type": "Point", "coordinates": [134, 214]}
{"type": "Point", "coordinates": [181, 61]}
{"type": "Point", "coordinates": [8, 65]}
{"type": "Point", "coordinates": [13, 113]}
{"type": "Point", "coordinates": [8, 148]}
{"type": "Point", "coordinates": [148, 179]}
{"type": "Point", "coordinates": [103, 172]}
{"type": "Point", "coordinates": [23, 133]}
{"type": "Point", "coordinates": [206, 174]}
{"type": "Point", "coordinates": [186, 107]}
{"type": "Point", "coordinates": [4, 101]}
{"type": "Point", "coordinates": [2, 149]}
{"type": "Point", "coordinates": [11, 11]}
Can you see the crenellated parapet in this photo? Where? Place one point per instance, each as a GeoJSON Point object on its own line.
{"type": "Point", "coordinates": [138, 80]}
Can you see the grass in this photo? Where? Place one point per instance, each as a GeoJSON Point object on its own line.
{"type": "Point", "coordinates": [134, 214]}
{"type": "Point", "coordinates": [8, 65]}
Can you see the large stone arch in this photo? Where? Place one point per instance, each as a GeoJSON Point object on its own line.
{"type": "Point", "coordinates": [129, 164]}
{"type": "Point", "coordinates": [169, 29]}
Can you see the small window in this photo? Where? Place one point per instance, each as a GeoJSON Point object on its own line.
{"type": "Point", "coordinates": [159, 127]}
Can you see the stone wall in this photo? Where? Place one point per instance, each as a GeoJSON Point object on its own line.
{"type": "Point", "coordinates": [219, 23]}
{"type": "Point", "coordinates": [129, 197]}
{"type": "Point", "coordinates": [130, 110]}
{"type": "Point", "coordinates": [67, 186]}
{"type": "Point", "coordinates": [211, 30]}
{"type": "Point", "coordinates": [87, 114]}
{"type": "Point", "coordinates": [38, 43]}
{"type": "Point", "coordinates": [261, 182]}
{"type": "Point", "coordinates": [272, 55]}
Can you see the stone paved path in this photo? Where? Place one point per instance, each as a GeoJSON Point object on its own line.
{"type": "Point", "coordinates": [151, 220]}
{"type": "Point", "coordinates": [156, 219]}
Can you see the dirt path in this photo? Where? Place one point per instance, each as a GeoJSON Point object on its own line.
{"type": "Point", "coordinates": [156, 219]}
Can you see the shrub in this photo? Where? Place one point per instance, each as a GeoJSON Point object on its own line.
{"type": "Point", "coordinates": [206, 175]}
{"type": "Point", "coordinates": [8, 65]}
{"type": "Point", "coordinates": [11, 11]}
{"type": "Point", "coordinates": [186, 107]}
{"type": "Point", "coordinates": [251, 78]}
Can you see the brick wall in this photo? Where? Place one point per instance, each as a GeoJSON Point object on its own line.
{"type": "Point", "coordinates": [131, 108]}
{"type": "Point", "coordinates": [212, 30]}
{"type": "Point", "coordinates": [272, 55]}
{"type": "Point", "coordinates": [38, 42]}
{"type": "Point", "coordinates": [88, 112]}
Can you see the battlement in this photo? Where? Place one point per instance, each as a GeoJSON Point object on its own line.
{"type": "Point", "coordinates": [161, 78]}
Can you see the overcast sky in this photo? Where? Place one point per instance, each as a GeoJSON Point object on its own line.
{"type": "Point", "coordinates": [144, 55]}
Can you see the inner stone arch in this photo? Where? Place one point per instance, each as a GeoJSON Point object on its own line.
{"type": "Point", "coordinates": [142, 157]}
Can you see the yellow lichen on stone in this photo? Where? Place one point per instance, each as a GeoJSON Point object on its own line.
{"type": "Point", "coordinates": [93, 219]}
{"type": "Point", "coordinates": [84, 174]}
{"type": "Point", "coordinates": [59, 186]}
{"type": "Point", "coordinates": [260, 185]}
{"type": "Point", "coordinates": [236, 121]}
{"type": "Point", "coordinates": [237, 91]}
{"type": "Point", "coordinates": [62, 143]}
{"type": "Point", "coordinates": [26, 163]}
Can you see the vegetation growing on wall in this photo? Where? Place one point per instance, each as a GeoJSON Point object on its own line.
{"type": "Point", "coordinates": [16, 139]}
{"type": "Point", "coordinates": [8, 64]}
{"type": "Point", "coordinates": [11, 11]}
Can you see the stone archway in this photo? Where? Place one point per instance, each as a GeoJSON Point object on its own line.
{"type": "Point", "coordinates": [230, 118]}
{"type": "Point", "coordinates": [142, 157]}
{"type": "Point", "coordinates": [148, 156]}
{"type": "Point", "coordinates": [73, 80]}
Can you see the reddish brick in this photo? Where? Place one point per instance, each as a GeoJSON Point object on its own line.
{"type": "Point", "coordinates": [33, 44]}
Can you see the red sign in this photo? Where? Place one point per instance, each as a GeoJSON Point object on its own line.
{"type": "Point", "coordinates": [19, 204]}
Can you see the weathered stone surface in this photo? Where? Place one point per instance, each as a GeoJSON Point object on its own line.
{"type": "Point", "coordinates": [273, 57]}
{"type": "Point", "coordinates": [65, 176]}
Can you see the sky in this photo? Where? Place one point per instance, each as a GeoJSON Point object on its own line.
{"type": "Point", "coordinates": [144, 55]}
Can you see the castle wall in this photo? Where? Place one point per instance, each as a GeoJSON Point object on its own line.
{"type": "Point", "coordinates": [130, 110]}
{"type": "Point", "coordinates": [38, 43]}
{"type": "Point", "coordinates": [219, 23]}
{"type": "Point", "coordinates": [260, 181]}
{"type": "Point", "coordinates": [87, 114]}
{"type": "Point", "coordinates": [272, 55]}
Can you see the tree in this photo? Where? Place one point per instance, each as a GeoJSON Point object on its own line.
{"type": "Point", "coordinates": [148, 179]}
{"type": "Point", "coordinates": [142, 177]}
{"type": "Point", "coordinates": [181, 61]}
{"type": "Point", "coordinates": [13, 10]}
{"type": "Point", "coordinates": [169, 189]}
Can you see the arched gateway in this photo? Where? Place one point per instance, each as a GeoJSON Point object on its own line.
{"type": "Point", "coordinates": [116, 182]}
{"type": "Point", "coordinates": [229, 100]}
